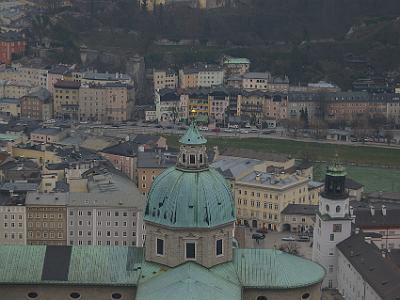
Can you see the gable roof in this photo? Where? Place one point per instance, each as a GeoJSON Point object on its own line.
{"type": "Point", "coordinates": [381, 273]}
{"type": "Point", "coordinates": [188, 281]}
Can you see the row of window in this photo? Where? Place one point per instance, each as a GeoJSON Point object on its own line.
{"type": "Point", "coordinates": [102, 243]}
{"type": "Point", "coordinates": [190, 248]}
{"type": "Point", "coordinates": [50, 225]}
{"type": "Point", "coordinates": [44, 216]}
{"type": "Point", "coordinates": [13, 236]}
{"type": "Point", "coordinates": [12, 225]}
{"type": "Point", "coordinates": [258, 204]}
{"type": "Point", "coordinates": [258, 195]}
{"type": "Point", "coordinates": [100, 213]}
{"type": "Point", "coordinates": [99, 233]}
{"type": "Point", "coordinates": [45, 235]}
{"type": "Point", "coordinates": [74, 295]}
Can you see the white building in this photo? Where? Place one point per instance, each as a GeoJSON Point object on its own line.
{"type": "Point", "coordinates": [333, 223]}
{"type": "Point", "coordinates": [365, 272]}
{"type": "Point", "coordinates": [12, 224]}
{"type": "Point", "coordinates": [109, 214]}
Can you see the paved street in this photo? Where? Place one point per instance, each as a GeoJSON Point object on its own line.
{"type": "Point", "coordinates": [279, 134]}
{"type": "Point", "coordinates": [274, 239]}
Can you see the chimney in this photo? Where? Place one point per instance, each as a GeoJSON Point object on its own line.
{"type": "Point", "coordinates": [384, 254]}
{"type": "Point", "coordinates": [258, 177]}
{"type": "Point", "coordinates": [216, 152]}
{"type": "Point", "coordinates": [357, 230]}
{"type": "Point", "coordinates": [367, 239]}
{"type": "Point", "coordinates": [372, 210]}
{"type": "Point", "coordinates": [383, 210]}
{"type": "Point", "coordinates": [351, 211]}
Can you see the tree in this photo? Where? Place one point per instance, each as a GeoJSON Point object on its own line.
{"type": "Point", "coordinates": [388, 136]}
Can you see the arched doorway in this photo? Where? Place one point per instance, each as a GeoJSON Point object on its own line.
{"type": "Point", "coordinates": [254, 223]}
{"type": "Point", "coordinates": [286, 227]}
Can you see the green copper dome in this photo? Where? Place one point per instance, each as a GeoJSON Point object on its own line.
{"type": "Point", "coordinates": [190, 199]}
{"type": "Point", "coordinates": [192, 136]}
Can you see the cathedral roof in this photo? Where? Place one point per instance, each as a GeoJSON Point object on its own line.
{"type": "Point", "coordinates": [125, 266]}
{"type": "Point", "coordinates": [192, 136]}
{"type": "Point", "coordinates": [184, 199]}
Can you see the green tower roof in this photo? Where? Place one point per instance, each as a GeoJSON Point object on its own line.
{"type": "Point", "coordinates": [335, 168]}
{"type": "Point", "coordinates": [193, 136]}
{"type": "Point", "coordinates": [184, 199]}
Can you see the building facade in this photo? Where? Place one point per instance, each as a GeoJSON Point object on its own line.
{"type": "Point", "coordinates": [46, 218]}
{"type": "Point", "coordinates": [66, 100]}
{"type": "Point", "coordinates": [165, 79]}
{"type": "Point", "coordinates": [333, 223]}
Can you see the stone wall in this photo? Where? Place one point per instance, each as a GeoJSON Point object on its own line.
{"type": "Point", "coordinates": [313, 292]}
{"type": "Point", "coordinates": [59, 292]}
{"type": "Point", "coordinates": [174, 241]}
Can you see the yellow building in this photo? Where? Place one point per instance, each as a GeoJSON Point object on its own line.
{"type": "Point", "coordinates": [38, 153]}
{"type": "Point", "coordinates": [260, 197]}
{"type": "Point", "coordinates": [10, 107]}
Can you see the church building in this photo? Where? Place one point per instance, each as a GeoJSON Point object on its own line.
{"type": "Point", "coordinates": [190, 251]}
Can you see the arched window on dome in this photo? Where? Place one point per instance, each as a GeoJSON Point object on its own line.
{"type": "Point", "coordinates": [261, 298]}
{"type": "Point", "coordinates": [305, 296]}
{"type": "Point", "coordinates": [192, 159]}
{"type": "Point", "coordinates": [201, 158]}
{"type": "Point", "coordinates": [338, 208]}
{"type": "Point", "coordinates": [183, 157]}
{"type": "Point", "coordinates": [327, 207]}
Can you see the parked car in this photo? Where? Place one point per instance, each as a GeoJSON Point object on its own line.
{"type": "Point", "coordinates": [243, 131]}
{"type": "Point", "coordinates": [182, 128]}
{"type": "Point", "coordinates": [228, 130]}
{"type": "Point", "coordinates": [258, 236]}
{"type": "Point", "coordinates": [158, 126]}
{"type": "Point", "coordinates": [288, 239]}
{"type": "Point", "coordinates": [262, 230]}
{"type": "Point", "coordinates": [303, 238]}
{"type": "Point", "coordinates": [204, 128]}
{"type": "Point", "coordinates": [216, 129]}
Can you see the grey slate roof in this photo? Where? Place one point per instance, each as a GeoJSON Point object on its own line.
{"type": "Point", "coordinates": [300, 209]}
{"type": "Point", "coordinates": [380, 273]}
{"type": "Point", "coordinates": [156, 160]}
{"type": "Point", "coordinates": [352, 184]}
{"type": "Point", "coordinates": [364, 218]}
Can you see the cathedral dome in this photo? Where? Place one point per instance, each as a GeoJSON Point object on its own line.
{"type": "Point", "coordinates": [189, 199]}
{"type": "Point", "coordinates": [190, 195]}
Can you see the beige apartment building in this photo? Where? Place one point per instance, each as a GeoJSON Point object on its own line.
{"type": "Point", "coordinates": [32, 75]}
{"type": "Point", "coordinates": [66, 100]}
{"type": "Point", "coordinates": [260, 106]}
{"type": "Point", "coordinates": [14, 89]}
{"type": "Point", "coordinates": [264, 82]}
{"type": "Point", "coordinates": [165, 79]}
{"type": "Point", "coordinates": [260, 197]}
{"type": "Point", "coordinates": [46, 218]}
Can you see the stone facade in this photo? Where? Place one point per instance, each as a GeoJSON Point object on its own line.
{"type": "Point", "coordinates": [312, 292]}
{"type": "Point", "coordinates": [175, 240]}
{"type": "Point", "coordinates": [51, 292]}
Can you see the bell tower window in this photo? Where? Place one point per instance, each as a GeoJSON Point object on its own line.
{"type": "Point", "coordinates": [192, 159]}
{"type": "Point", "coordinates": [184, 157]}
{"type": "Point", "coordinates": [201, 158]}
